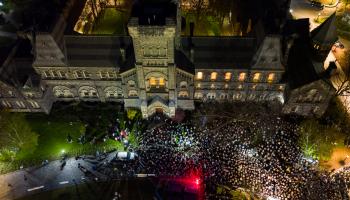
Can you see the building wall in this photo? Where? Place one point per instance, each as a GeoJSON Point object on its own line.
{"type": "Point", "coordinates": [309, 100]}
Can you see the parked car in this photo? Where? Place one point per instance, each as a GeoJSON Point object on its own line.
{"type": "Point", "coordinates": [317, 5]}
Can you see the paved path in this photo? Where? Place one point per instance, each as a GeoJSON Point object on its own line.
{"type": "Point", "coordinates": [303, 9]}
{"type": "Point", "coordinates": [45, 178]}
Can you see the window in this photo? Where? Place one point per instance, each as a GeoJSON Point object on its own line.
{"type": "Point", "coordinates": [198, 95]}
{"type": "Point", "coordinates": [78, 74]}
{"type": "Point", "coordinates": [131, 83]}
{"type": "Point", "coordinates": [212, 86]}
{"type": "Point", "coordinates": [183, 84]}
{"type": "Point", "coordinates": [256, 77]}
{"type": "Point", "coordinates": [111, 74]}
{"type": "Point", "coordinates": [254, 87]}
{"type": "Point", "coordinates": [240, 86]}
{"type": "Point", "coordinates": [228, 76]}
{"type": "Point", "coordinates": [199, 75]}
{"type": "Point", "coordinates": [198, 85]}
{"type": "Point", "coordinates": [132, 93]}
{"type": "Point", "coordinates": [152, 81]}
{"type": "Point", "coordinates": [6, 104]}
{"type": "Point", "coordinates": [62, 74]}
{"type": "Point", "coordinates": [47, 74]}
{"type": "Point", "coordinates": [213, 76]}
{"type": "Point", "coordinates": [271, 78]}
{"type": "Point", "coordinates": [280, 87]}
{"type": "Point", "coordinates": [226, 86]}
{"type": "Point", "coordinates": [183, 94]}
{"type": "Point", "coordinates": [102, 74]}
{"type": "Point", "coordinates": [242, 76]}
{"type": "Point", "coordinates": [55, 74]}
{"type": "Point", "coordinates": [34, 104]}
{"type": "Point", "coordinates": [20, 104]}
{"type": "Point", "coordinates": [161, 82]}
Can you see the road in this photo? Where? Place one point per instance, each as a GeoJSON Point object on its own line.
{"type": "Point", "coordinates": [303, 9]}
{"type": "Point", "coordinates": [47, 177]}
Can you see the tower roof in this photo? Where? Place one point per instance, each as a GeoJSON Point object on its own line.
{"type": "Point", "coordinates": [326, 33]}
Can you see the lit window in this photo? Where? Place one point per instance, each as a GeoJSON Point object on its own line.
{"type": "Point", "coordinates": [228, 76]}
{"type": "Point", "coordinates": [198, 85]}
{"type": "Point", "coordinates": [256, 77]}
{"type": "Point", "coordinates": [242, 76]}
{"type": "Point", "coordinates": [281, 87]}
{"type": "Point", "coordinates": [161, 82]}
{"type": "Point", "coordinates": [226, 86]}
{"type": "Point", "coordinates": [152, 81]}
{"type": "Point", "coordinates": [213, 76]}
{"type": "Point", "coordinates": [199, 75]}
{"type": "Point", "coordinates": [271, 78]}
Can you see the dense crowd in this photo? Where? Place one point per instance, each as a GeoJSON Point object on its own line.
{"type": "Point", "coordinates": [253, 152]}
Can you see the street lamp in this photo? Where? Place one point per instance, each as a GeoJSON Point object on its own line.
{"type": "Point", "coordinates": [291, 11]}
{"type": "Point", "coordinates": [63, 151]}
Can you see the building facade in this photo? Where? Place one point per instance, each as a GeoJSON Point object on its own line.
{"type": "Point", "coordinates": [148, 71]}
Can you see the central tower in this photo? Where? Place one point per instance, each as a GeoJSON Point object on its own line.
{"type": "Point", "coordinates": [152, 29]}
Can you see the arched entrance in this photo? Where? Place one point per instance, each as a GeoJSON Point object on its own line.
{"type": "Point", "coordinates": [157, 107]}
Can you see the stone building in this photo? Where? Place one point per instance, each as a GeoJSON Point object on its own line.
{"type": "Point", "coordinates": [147, 71]}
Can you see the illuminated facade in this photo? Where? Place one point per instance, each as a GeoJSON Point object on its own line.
{"type": "Point", "coordinates": [145, 70]}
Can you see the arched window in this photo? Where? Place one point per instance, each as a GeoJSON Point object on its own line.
{"type": "Point", "coordinates": [213, 76]}
{"type": "Point", "coordinates": [242, 76]}
{"type": "Point", "coordinates": [183, 84]}
{"type": "Point", "coordinates": [113, 92]}
{"type": "Point", "coordinates": [198, 95]}
{"type": "Point", "coordinates": [228, 76]}
{"type": "Point", "coordinates": [88, 92]}
{"type": "Point", "coordinates": [271, 78]}
{"type": "Point", "coordinates": [131, 83]}
{"type": "Point", "coordinates": [183, 94]}
{"type": "Point", "coordinates": [256, 77]}
{"type": "Point", "coordinates": [132, 93]}
{"type": "Point", "coordinates": [62, 92]}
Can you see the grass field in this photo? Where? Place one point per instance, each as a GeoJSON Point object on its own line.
{"type": "Point", "coordinates": [54, 129]}
{"type": "Point", "coordinates": [111, 21]}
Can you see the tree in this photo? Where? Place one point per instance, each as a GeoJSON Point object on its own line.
{"type": "Point", "coordinates": [16, 133]}
{"type": "Point", "coordinates": [317, 140]}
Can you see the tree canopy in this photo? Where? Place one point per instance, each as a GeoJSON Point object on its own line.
{"type": "Point", "coordinates": [16, 133]}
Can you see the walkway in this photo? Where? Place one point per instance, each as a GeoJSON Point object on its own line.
{"type": "Point", "coordinates": [47, 178]}
{"type": "Point", "coordinates": [303, 9]}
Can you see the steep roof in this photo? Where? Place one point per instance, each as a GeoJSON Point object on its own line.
{"type": "Point", "coordinates": [220, 52]}
{"type": "Point", "coordinates": [268, 56]}
{"type": "Point", "coordinates": [326, 33]}
{"type": "Point", "coordinates": [99, 51]}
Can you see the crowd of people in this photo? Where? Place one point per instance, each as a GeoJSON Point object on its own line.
{"type": "Point", "coordinates": [251, 151]}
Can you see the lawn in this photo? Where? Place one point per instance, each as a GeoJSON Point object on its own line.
{"type": "Point", "coordinates": [111, 21]}
{"type": "Point", "coordinates": [75, 121]}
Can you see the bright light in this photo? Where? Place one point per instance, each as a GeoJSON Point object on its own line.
{"type": "Point", "coordinates": [197, 181]}
{"type": "Point", "coordinates": [272, 198]}
{"type": "Point", "coordinates": [63, 151]}
{"type": "Point", "coordinates": [291, 10]}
